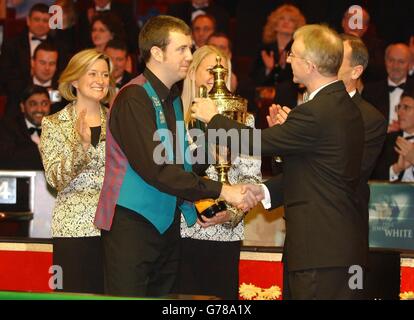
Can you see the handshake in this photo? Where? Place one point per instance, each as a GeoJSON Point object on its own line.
{"type": "Point", "coordinates": [243, 196]}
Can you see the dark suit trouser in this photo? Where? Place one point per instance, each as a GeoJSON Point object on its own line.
{"type": "Point", "coordinates": [138, 260]}
{"type": "Point", "coordinates": [319, 284]}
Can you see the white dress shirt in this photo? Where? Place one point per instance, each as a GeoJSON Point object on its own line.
{"type": "Point", "coordinates": [34, 43]}
{"type": "Point", "coordinates": [395, 98]}
{"type": "Point", "coordinates": [35, 137]}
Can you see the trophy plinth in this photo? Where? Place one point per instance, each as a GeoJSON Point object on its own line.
{"type": "Point", "coordinates": [233, 107]}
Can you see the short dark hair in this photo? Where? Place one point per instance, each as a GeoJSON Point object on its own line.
{"type": "Point", "coordinates": [221, 35]}
{"type": "Point", "coordinates": [359, 55]}
{"type": "Point", "coordinates": [31, 90]}
{"type": "Point", "coordinates": [208, 16]}
{"type": "Point", "coordinates": [45, 46]}
{"type": "Point", "coordinates": [112, 22]}
{"type": "Point", "coordinates": [39, 7]}
{"type": "Point", "coordinates": [117, 44]}
{"type": "Point", "coordinates": [156, 32]}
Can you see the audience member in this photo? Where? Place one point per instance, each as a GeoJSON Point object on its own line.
{"type": "Point", "coordinates": [386, 94]}
{"type": "Point", "coordinates": [20, 134]}
{"type": "Point", "coordinates": [105, 27]}
{"type": "Point", "coordinates": [122, 11]}
{"type": "Point", "coordinates": [203, 26]}
{"type": "Point", "coordinates": [43, 73]}
{"type": "Point", "coordinates": [189, 10]}
{"type": "Point", "coordinates": [117, 51]}
{"type": "Point", "coordinates": [396, 162]}
{"type": "Point", "coordinates": [270, 66]}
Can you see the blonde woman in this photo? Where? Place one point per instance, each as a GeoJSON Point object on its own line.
{"type": "Point", "coordinates": [211, 249]}
{"type": "Point", "coordinates": [270, 66]}
{"type": "Point", "coordinates": [72, 146]}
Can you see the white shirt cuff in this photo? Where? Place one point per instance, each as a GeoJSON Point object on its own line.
{"type": "Point", "coordinates": [267, 202]}
{"type": "Point", "coordinates": [393, 175]}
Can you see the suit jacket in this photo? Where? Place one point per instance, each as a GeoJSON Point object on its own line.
{"type": "Point", "coordinates": [387, 158]}
{"type": "Point", "coordinates": [15, 60]}
{"type": "Point", "coordinates": [322, 145]}
{"type": "Point", "coordinates": [17, 150]}
{"type": "Point", "coordinates": [184, 11]}
{"type": "Point", "coordinates": [377, 94]}
{"type": "Point", "coordinates": [76, 174]}
{"type": "Point", "coordinates": [375, 129]}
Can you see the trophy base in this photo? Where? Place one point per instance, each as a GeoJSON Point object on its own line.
{"type": "Point", "coordinates": [209, 208]}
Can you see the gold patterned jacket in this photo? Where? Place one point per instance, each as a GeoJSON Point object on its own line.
{"type": "Point", "coordinates": [76, 174]}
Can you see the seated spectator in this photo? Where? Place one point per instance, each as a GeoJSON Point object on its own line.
{"type": "Point", "coordinates": [43, 73]}
{"type": "Point", "coordinates": [375, 45]}
{"type": "Point", "coordinates": [117, 51]}
{"type": "Point", "coordinates": [222, 42]}
{"type": "Point", "coordinates": [189, 10]}
{"type": "Point", "coordinates": [122, 11]}
{"type": "Point", "coordinates": [16, 53]}
{"type": "Point", "coordinates": [105, 27]}
{"type": "Point", "coordinates": [270, 66]}
{"type": "Point", "coordinates": [396, 162]}
{"type": "Point", "coordinates": [20, 134]}
{"type": "Point", "coordinates": [386, 94]}
{"type": "Point", "coordinates": [203, 26]}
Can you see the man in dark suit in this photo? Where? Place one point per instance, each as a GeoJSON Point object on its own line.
{"type": "Point", "coordinates": [20, 134]}
{"type": "Point", "coordinates": [43, 73]}
{"type": "Point", "coordinates": [397, 158]}
{"type": "Point", "coordinates": [189, 10]}
{"type": "Point", "coordinates": [123, 11]}
{"type": "Point", "coordinates": [117, 51]}
{"type": "Point", "coordinates": [385, 94]}
{"type": "Point", "coordinates": [16, 53]}
{"type": "Point", "coordinates": [322, 145]}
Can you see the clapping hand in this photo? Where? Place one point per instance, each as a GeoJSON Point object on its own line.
{"type": "Point", "coordinates": [83, 129]}
{"type": "Point", "coordinates": [405, 149]}
{"type": "Point", "coordinates": [277, 115]}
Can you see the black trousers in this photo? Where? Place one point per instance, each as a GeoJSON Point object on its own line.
{"type": "Point", "coordinates": [138, 260]}
{"type": "Point", "coordinates": [319, 284]}
{"type": "Point", "coordinates": [82, 264]}
{"type": "Point", "coordinates": [209, 268]}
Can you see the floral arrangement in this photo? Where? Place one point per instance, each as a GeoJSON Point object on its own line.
{"type": "Point", "coordinates": [407, 295]}
{"type": "Point", "coordinates": [252, 292]}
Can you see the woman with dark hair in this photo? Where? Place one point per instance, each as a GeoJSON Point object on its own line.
{"type": "Point", "coordinates": [105, 27]}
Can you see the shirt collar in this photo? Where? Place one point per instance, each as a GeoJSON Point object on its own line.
{"type": "Point", "coordinates": [107, 7]}
{"type": "Point", "coordinates": [352, 93]}
{"type": "Point", "coordinates": [162, 91]}
{"type": "Point", "coordinates": [29, 124]}
{"type": "Point", "coordinates": [38, 83]}
{"type": "Point", "coordinates": [315, 92]}
{"type": "Point", "coordinates": [391, 83]}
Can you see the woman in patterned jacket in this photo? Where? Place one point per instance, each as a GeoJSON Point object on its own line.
{"type": "Point", "coordinates": [72, 146]}
{"type": "Point", "coordinates": [211, 249]}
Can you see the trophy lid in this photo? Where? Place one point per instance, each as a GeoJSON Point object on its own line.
{"type": "Point", "coordinates": [225, 100]}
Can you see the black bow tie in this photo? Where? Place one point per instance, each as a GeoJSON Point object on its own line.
{"type": "Point", "coordinates": [33, 130]}
{"type": "Point", "coordinates": [392, 88]}
{"type": "Point", "coordinates": [38, 39]}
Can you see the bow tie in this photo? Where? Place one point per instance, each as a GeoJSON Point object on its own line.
{"type": "Point", "coordinates": [392, 88]}
{"type": "Point", "coordinates": [38, 39]}
{"type": "Point", "coordinates": [33, 130]}
{"type": "Point", "coordinates": [409, 138]}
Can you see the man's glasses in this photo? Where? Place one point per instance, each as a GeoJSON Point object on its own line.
{"type": "Point", "coordinates": [290, 54]}
{"type": "Point", "coordinates": [404, 107]}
